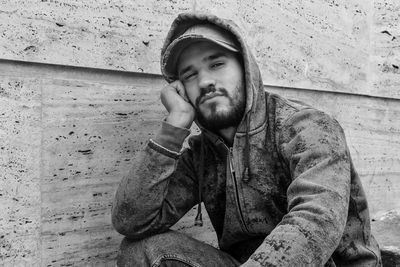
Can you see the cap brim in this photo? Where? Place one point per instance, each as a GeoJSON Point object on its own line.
{"type": "Point", "coordinates": [175, 49]}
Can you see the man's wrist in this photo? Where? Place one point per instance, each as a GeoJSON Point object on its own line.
{"type": "Point", "coordinates": [171, 137]}
{"type": "Point", "coordinates": [180, 119]}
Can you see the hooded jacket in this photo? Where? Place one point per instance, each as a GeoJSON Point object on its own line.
{"type": "Point", "coordinates": [286, 193]}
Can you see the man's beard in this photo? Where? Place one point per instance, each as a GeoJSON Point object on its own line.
{"type": "Point", "coordinates": [218, 120]}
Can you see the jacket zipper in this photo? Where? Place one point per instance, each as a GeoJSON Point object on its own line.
{"type": "Point", "coordinates": [233, 175]}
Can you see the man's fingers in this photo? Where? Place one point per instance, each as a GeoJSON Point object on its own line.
{"type": "Point", "coordinates": [174, 99]}
{"type": "Point", "coordinates": [180, 89]}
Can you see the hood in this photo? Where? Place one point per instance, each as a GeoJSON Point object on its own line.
{"type": "Point", "coordinates": [254, 117]}
{"type": "Point", "coordinates": [255, 96]}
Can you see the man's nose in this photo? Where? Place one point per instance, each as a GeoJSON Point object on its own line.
{"type": "Point", "coordinates": [206, 79]}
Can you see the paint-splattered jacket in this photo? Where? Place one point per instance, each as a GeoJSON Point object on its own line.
{"type": "Point", "coordinates": [301, 202]}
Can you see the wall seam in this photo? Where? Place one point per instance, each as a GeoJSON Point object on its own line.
{"type": "Point", "coordinates": [159, 76]}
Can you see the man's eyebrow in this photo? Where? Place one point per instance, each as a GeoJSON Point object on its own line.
{"type": "Point", "coordinates": [214, 56]}
{"type": "Point", "coordinates": [209, 58]}
{"type": "Point", "coordinates": [184, 71]}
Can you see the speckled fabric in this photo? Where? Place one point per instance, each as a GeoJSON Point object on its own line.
{"type": "Point", "coordinates": [304, 204]}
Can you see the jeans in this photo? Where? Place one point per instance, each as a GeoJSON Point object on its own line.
{"type": "Point", "coordinates": [172, 249]}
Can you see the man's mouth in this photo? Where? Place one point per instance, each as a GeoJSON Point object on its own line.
{"type": "Point", "coordinates": [210, 95]}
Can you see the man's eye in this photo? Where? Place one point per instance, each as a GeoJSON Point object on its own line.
{"type": "Point", "coordinates": [217, 64]}
{"type": "Point", "coordinates": [189, 76]}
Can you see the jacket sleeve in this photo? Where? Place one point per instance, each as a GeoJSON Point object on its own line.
{"type": "Point", "coordinates": [159, 189]}
{"type": "Point", "coordinates": [314, 148]}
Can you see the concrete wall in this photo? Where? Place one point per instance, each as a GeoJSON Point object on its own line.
{"type": "Point", "coordinates": [69, 131]}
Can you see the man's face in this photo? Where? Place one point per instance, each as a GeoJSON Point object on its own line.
{"type": "Point", "coordinates": [214, 83]}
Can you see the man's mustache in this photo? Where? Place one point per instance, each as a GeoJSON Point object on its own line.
{"type": "Point", "coordinates": [209, 92]}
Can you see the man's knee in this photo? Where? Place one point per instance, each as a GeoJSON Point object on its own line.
{"type": "Point", "coordinates": [151, 250]}
{"type": "Point", "coordinates": [171, 249]}
{"type": "Point", "coordinates": [132, 253]}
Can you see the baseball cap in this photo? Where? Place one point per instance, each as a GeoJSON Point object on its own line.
{"type": "Point", "coordinates": [198, 32]}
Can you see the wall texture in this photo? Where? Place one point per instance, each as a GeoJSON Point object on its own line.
{"type": "Point", "coordinates": [336, 45]}
{"type": "Point", "coordinates": [72, 133]}
{"type": "Point", "coordinates": [68, 132]}
{"type": "Point", "coordinates": [20, 168]}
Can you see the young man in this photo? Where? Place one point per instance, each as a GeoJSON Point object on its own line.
{"type": "Point", "coordinates": [275, 175]}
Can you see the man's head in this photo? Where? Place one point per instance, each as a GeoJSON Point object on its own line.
{"type": "Point", "coordinates": [209, 64]}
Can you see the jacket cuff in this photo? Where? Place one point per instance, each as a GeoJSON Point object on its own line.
{"type": "Point", "coordinates": [169, 139]}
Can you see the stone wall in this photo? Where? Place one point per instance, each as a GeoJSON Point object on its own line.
{"type": "Point", "coordinates": [334, 45]}
{"type": "Point", "coordinates": [70, 134]}
{"type": "Point", "coordinates": [79, 91]}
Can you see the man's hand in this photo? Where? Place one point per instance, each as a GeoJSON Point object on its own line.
{"type": "Point", "coordinates": [174, 99]}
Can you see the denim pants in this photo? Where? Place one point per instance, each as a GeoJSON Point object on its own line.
{"type": "Point", "coordinates": [172, 249]}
